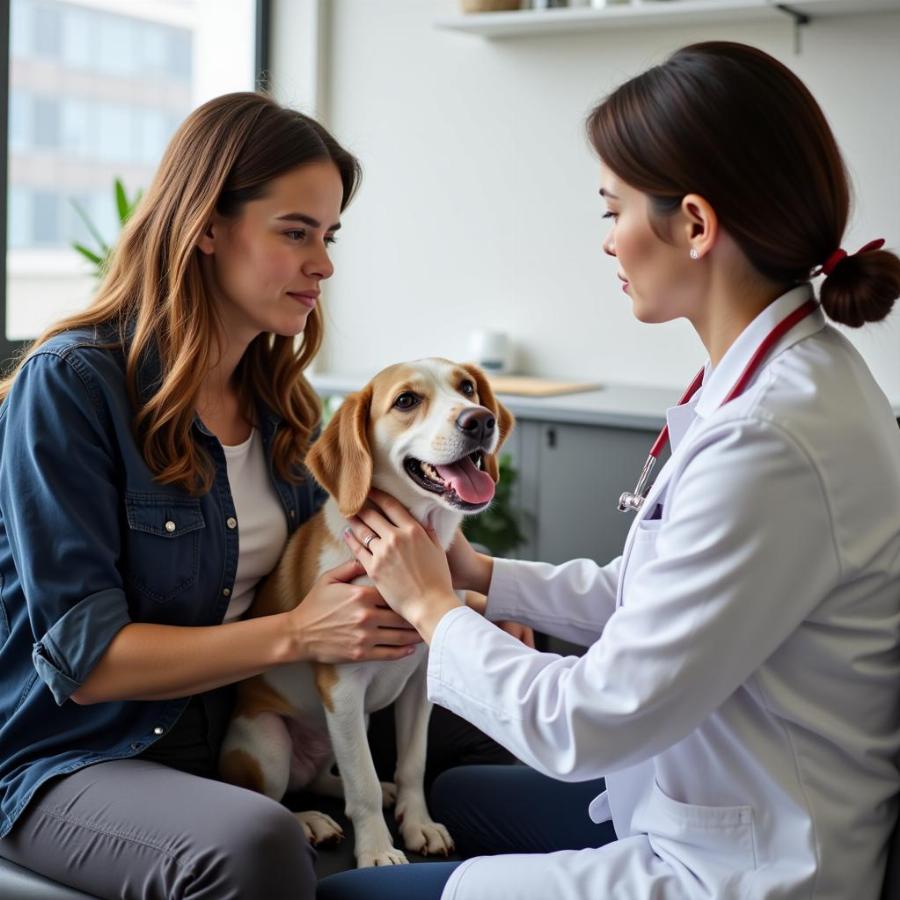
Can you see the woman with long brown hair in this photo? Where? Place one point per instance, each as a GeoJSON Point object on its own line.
{"type": "Point", "coordinates": [138, 440]}
{"type": "Point", "coordinates": [740, 693]}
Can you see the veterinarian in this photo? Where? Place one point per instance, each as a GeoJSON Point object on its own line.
{"type": "Point", "coordinates": [741, 688]}
{"type": "Point", "coordinates": [150, 473]}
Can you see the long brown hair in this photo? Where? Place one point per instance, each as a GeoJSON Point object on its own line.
{"type": "Point", "coordinates": [223, 156]}
{"type": "Point", "coordinates": [731, 123]}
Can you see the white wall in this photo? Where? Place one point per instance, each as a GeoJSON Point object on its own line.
{"type": "Point", "coordinates": [479, 203]}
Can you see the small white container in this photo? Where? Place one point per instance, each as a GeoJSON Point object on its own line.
{"type": "Point", "coordinates": [491, 350]}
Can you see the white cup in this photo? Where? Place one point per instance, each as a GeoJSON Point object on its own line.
{"type": "Point", "coordinates": [490, 350]}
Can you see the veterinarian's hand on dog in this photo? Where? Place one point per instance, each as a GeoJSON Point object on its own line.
{"type": "Point", "coordinates": [406, 562]}
{"type": "Point", "coordinates": [339, 622]}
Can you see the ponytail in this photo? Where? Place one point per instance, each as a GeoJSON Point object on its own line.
{"type": "Point", "coordinates": [861, 287]}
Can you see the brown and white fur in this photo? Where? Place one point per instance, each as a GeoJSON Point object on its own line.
{"type": "Point", "coordinates": [293, 722]}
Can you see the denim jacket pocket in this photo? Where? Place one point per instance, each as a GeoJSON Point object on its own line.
{"type": "Point", "coordinates": [163, 543]}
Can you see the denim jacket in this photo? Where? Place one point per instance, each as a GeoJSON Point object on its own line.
{"type": "Point", "coordinates": [89, 542]}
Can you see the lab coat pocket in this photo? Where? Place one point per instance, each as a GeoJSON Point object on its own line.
{"type": "Point", "coordinates": [716, 843]}
{"type": "Point", "coordinates": [640, 550]}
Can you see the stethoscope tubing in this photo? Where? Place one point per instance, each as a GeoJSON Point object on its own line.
{"type": "Point", "coordinates": [632, 501]}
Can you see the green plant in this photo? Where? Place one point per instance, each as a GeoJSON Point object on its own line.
{"type": "Point", "coordinates": [498, 528]}
{"type": "Point", "coordinates": [99, 258]}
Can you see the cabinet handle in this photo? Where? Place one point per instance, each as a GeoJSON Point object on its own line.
{"type": "Point", "coordinates": [551, 437]}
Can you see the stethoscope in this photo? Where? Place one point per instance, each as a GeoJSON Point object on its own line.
{"type": "Point", "coordinates": [632, 501]}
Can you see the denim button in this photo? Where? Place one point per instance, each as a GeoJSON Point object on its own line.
{"type": "Point", "coordinates": [170, 526]}
{"type": "Point", "coordinates": [159, 730]}
{"type": "Point", "coordinates": [231, 522]}
{"type": "Point", "coordinates": [226, 592]}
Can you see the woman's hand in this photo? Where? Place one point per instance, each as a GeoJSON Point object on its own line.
{"type": "Point", "coordinates": [339, 622]}
{"type": "Point", "coordinates": [406, 562]}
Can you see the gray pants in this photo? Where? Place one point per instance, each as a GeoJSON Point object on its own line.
{"type": "Point", "coordinates": [138, 829]}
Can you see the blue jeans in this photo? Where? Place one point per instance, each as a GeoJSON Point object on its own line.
{"type": "Point", "coordinates": [488, 810]}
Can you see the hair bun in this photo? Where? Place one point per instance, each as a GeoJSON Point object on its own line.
{"type": "Point", "coordinates": [862, 287]}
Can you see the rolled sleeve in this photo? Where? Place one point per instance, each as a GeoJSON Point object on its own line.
{"type": "Point", "coordinates": [61, 508]}
{"type": "Point", "coordinates": [74, 644]}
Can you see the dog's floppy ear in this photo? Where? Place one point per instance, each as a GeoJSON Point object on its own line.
{"type": "Point", "coordinates": [340, 460]}
{"type": "Point", "coordinates": [505, 420]}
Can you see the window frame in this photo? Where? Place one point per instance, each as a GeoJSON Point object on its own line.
{"type": "Point", "coordinates": [10, 350]}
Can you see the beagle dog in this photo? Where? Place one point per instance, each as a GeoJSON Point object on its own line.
{"type": "Point", "coordinates": [428, 433]}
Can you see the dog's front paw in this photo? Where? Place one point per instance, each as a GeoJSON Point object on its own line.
{"type": "Point", "coordinates": [319, 828]}
{"type": "Point", "coordinates": [389, 856]}
{"type": "Point", "coordinates": [426, 837]}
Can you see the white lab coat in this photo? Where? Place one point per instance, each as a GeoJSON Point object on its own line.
{"type": "Point", "coordinates": [741, 693]}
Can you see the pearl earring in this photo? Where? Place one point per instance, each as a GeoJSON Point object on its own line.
{"type": "Point", "coordinates": [695, 253]}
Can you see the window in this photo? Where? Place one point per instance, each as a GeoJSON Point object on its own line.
{"type": "Point", "coordinates": [95, 90]}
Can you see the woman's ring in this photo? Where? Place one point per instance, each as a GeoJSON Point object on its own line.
{"type": "Point", "coordinates": [369, 540]}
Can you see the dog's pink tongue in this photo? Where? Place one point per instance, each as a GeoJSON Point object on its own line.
{"type": "Point", "coordinates": [470, 483]}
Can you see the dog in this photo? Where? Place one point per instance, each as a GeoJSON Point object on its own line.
{"type": "Point", "coordinates": [428, 433]}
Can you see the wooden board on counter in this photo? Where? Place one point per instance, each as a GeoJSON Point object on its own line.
{"type": "Point", "coordinates": [530, 386]}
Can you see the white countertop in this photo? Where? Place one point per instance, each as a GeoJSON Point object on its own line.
{"type": "Point", "coordinates": [617, 405]}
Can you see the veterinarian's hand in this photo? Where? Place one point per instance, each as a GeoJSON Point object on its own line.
{"type": "Point", "coordinates": [406, 562]}
{"type": "Point", "coordinates": [470, 570]}
{"type": "Point", "coordinates": [339, 622]}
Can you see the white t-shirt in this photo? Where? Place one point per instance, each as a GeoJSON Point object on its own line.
{"type": "Point", "coordinates": [262, 528]}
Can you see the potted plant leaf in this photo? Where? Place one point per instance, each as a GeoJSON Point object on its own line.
{"type": "Point", "coordinates": [125, 206]}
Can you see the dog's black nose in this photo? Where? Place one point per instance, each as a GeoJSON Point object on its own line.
{"type": "Point", "coordinates": [477, 423]}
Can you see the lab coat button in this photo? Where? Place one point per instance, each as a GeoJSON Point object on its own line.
{"type": "Point", "coordinates": [170, 526]}
{"type": "Point", "coordinates": [231, 522]}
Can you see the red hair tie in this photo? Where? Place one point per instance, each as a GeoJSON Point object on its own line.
{"type": "Point", "coordinates": [831, 263]}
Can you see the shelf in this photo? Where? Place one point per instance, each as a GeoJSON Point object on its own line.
{"type": "Point", "coordinates": [648, 13]}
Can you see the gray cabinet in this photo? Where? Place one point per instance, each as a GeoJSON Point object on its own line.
{"type": "Point", "coordinates": [570, 478]}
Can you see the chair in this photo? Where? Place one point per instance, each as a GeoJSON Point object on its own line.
{"type": "Point", "coordinates": [23, 884]}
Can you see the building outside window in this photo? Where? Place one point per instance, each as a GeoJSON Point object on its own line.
{"type": "Point", "coordinates": [97, 88]}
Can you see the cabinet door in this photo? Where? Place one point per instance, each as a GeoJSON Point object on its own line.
{"type": "Point", "coordinates": [581, 472]}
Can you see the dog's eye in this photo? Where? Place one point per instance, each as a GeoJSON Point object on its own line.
{"type": "Point", "coordinates": [407, 400]}
{"type": "Point", "coordinates": [467, 388]}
